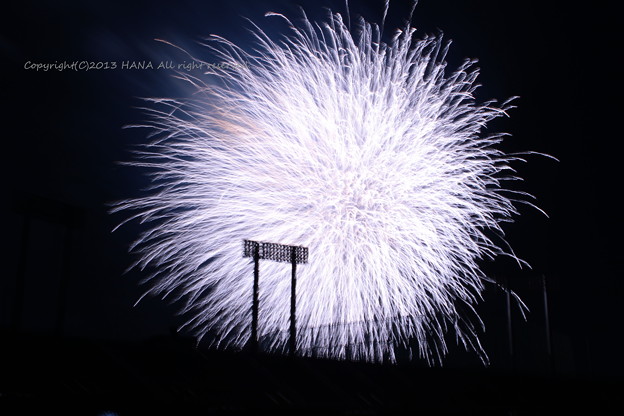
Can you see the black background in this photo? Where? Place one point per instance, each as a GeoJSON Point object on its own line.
{"type": "Point", "coordinates": [63, 136]}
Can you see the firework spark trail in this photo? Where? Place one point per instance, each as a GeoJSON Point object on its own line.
{"type": "Point", "coordinates": [366, 152]}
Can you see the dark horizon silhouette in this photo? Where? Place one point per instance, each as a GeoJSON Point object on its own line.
{"type": "Point", "coordinates": [67, 298]}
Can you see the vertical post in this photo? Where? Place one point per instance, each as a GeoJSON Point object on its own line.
{"type": "Point", "coordinates": [256, 301]}
{"type": "Point", "coordinates": [279, 253]}
{"type": "Point", "coordinates": [509, 323]}
{"type": "Point", "coordinates": [62, 296]}
{"type": "Point", "coordinates": [547, 326]}
{"type": "Point", "coordinates": [20, 283]}
{"type": "Point", "coordinates": [293, 299]}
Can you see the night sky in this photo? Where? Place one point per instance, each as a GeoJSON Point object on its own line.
{"type": "Point", "coordinates": [63, 136]}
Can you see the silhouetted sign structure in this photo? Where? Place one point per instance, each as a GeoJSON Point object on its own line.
{"type": "Point", "coordinates": [281, 253]}
{"type": "Point", "coordinates": [276, 252]}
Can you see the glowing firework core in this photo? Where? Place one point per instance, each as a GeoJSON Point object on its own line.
{"type": "Point", "coordinates": [366, 152]}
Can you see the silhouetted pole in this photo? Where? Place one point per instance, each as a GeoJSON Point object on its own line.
{"type": "Point", "coordinates": [551, 361]}
{"type": "Point", "coordinates": [64, 284]}
{"type": "Point", "coordinates": [20, 283]}
{"type": "Point", "coordinates": [256, 301]}
{"type": "Point", "coordinates": [293, 301]}
{"type": "Point", "coordinates": [34, 207]}
{"type": "Point", "coordinates": [509, 323]}
{"type": "Point", "coordinates": [279, 253]}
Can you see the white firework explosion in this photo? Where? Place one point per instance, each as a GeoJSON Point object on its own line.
{"type": "Point", "coordinates": [368, 153]}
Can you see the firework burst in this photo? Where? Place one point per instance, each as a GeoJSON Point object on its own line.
{"type": "Point", "coordinates": [370, 154]}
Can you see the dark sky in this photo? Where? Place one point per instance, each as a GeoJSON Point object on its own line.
{"type": "Point", "coordinates": [63, 136]}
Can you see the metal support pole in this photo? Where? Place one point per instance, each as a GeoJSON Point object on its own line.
{"type": "Point", "coordinates": [256, 301]}
{"type": "Point", "coordinates": [280, 253]}
{"type": "Point", "coordinates": [62, 296]}
{"type": "Point", "coordinates": [20, 283]}
{"type": "Point", "coordinates": [509, 322]}
{"type": "Point", "coordinates": [547, 326]}
{"type": "Point", "coordinates": [293, 300]}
